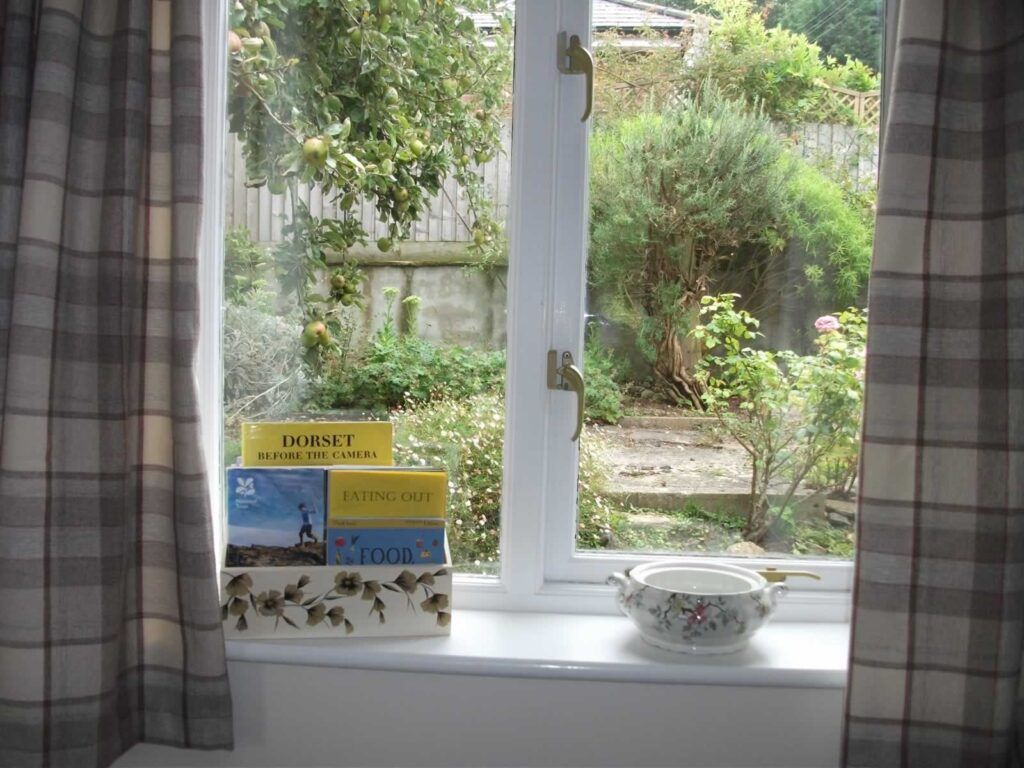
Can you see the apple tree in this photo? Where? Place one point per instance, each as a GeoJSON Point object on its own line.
{"type": "Point", "coordinates": [382, 99]}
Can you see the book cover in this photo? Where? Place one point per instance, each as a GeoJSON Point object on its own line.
{"type": "Point", "coordinates": [275, 516]}
{"type": "Point", "coordinates": [386, 542]}
{"type": "Point", "coordinates": [316, 443]}
{"type": "Point", "coordinates": [410, 493]}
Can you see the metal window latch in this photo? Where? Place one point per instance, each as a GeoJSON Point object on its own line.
{"type": "Point", "coordinates": [574, 59]}
{"type": "Point", "coordinates": [568, 377]}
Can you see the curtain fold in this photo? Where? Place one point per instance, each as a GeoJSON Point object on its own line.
{"type": "Point", "coordinates": [109, 623]}
{"type": "Point", "coordinates": [935, 673]}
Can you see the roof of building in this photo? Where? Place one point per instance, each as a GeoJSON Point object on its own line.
{"type": "Point", "coordinates": [623, 15]}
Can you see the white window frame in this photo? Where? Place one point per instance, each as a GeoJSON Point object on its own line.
{"type": "Point", "coordinates": [540, 567]}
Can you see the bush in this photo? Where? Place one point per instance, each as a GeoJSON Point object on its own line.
{"type": "Point", "coordinates": [836, 231]}
{"type": "Point", "coordinates": [603, 394]}
{"type": "Point", "coordinates": [776, 70]}
{"type": "Point", "coordinates": [674, 197]}
{"type": "Point", "coordinates": [399, 368]}
{"type": "Point", "coordinates": [466, 437]}
{"type": "Point", "coordinates": [262, 364]}
{"type": "Point", "coordinates": [245, 266]}
{"type": "Point", "coordinates": [789, 412]}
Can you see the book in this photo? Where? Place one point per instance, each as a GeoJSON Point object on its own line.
{"type": "Point", "coordinates": [276, 516]}
{"type": "Point", "coordinates": [386, 542]}
{"type": "Point", "coordinates": [316, 443]}
{"type": "Point", "coordinates": [410, 493]}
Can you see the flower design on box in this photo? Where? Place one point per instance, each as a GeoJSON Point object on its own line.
{"type": "Point", "coordinates": [291, 605]}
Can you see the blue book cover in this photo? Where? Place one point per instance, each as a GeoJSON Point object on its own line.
{"type": "Point", "coordinates": [370, 543]}
{"type": "Point", "coordinates": [275, 516]}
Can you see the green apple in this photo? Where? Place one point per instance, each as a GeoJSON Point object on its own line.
{"type": "Point", "coordinates": [384, 244]}
{"type": "Point", "coordinates": [312, 334]}
{"type": "Point", "coordinates": [277, 185]}
{"type": "Point", "coordinates": [314, 150]}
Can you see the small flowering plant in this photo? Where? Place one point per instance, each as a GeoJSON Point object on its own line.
{"type": "Point", "coordinates": [797, 416]}
{"type": "Point", "coordinates": [334, 602]}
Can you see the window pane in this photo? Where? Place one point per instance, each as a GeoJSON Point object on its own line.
{"type": "Point", "coordinates": [365, 263]}
{"type": "Point", "coordinates": [732, 178]}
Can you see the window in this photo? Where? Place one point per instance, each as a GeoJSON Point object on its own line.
{"type": "Point", "coordinates": [548, 301]}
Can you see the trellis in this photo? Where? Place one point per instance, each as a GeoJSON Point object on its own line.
{"type": "Point", "coordinates": [866, 106]}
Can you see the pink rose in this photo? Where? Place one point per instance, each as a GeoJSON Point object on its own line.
{"type": "Point", "coordinates": [826, 324]}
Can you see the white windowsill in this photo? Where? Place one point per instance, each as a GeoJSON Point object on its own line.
{"type": "Point", "coordinates": [574, 647]}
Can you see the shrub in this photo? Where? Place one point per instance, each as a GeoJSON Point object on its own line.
{"type": "Point", "coordinates": [603, 393]}
{"type": "Point", "coordinates": [789, 412]}
{"type": "Point", "coordinates": [262, 364]}
{"type": "Point", "coordinates": [245, 266]}
{"type": "Point", "coordinates": [774, 69]}
{"type": "Point", "coordinates": [466, 437]}
{"type": "Point", "coordinates": [836, 232]}
{"type": "Point", "coordinates": [399, 368]}
{"type": "Point", "coordinates": [674, 197]}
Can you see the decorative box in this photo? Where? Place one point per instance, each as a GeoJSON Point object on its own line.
{"type": "Point", "coordinates": [325, 601]}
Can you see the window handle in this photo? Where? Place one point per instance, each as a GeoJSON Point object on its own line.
{"type": "Point", "coordinates": [568, 377]}
{"type": "Point", "coordinates": [574, 59]}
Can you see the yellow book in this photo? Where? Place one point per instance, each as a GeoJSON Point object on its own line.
{"type": "Point", "coordinates": [316, 443]}
{"type": "Point", "coordinates": [408, 493]}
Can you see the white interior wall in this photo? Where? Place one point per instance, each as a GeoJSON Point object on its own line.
{"type": "Point", "coordinates": [315, 716]}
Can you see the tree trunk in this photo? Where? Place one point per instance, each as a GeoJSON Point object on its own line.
{"type": "Point", "coordinates": [676, 361]}
{"type": "Point", "coordinates": [676, 353]}
{"type": "Point", "coordinates": [675, 365]}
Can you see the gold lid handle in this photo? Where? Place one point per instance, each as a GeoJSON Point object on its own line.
{"type": "Point", "coordinates": [774, 575]}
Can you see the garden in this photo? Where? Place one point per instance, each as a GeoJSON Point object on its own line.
{"type": "Point", "coordinates": [725, 277]}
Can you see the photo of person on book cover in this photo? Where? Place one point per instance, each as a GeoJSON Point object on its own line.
{"type": "Point", "coordinates": [307, 524]}
{"type": "Point", "coordinates": [266, 506]}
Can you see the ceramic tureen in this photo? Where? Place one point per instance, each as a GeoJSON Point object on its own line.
{"type": "Point", "coordinates": [696, 607]}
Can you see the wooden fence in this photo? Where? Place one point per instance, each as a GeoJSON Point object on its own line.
{"type": "Point", "coordinates": [448, 218]}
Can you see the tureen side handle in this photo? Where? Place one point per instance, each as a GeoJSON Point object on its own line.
{"type": "Point", "coordinates": [775, 591]}
{"type": "Point", "coordinates": [621, 582]}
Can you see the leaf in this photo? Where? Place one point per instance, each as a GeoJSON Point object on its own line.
{"type": "Point", "coordinates": [224, 612]}
{"type": "Point", "coordinates": [352, 160]}
{"type": "Point", "coordinates": [442, 572]}
{"type": "Point", "coordinates": [289, 622]}
{"type": "Point", "coordinates": [241, 625]}
{"type": "Point", "coordinates": [390, 587]}
{"type": "Point", "coordinates": [303, 581]}
{"type": "Point", "coordinates": [349, 629]}
{"type": "Point", "coordinates": [333, 129]}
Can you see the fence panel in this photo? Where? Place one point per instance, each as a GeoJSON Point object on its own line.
{"type": "Point", "coordinates": [448, 218]}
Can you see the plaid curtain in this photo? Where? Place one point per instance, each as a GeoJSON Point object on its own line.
{"type": "Point", "coordinates": [935, 676]}
{"type": "Point", "coordinates": [109, 624]}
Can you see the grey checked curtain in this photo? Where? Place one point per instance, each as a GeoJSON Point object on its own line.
{"type": "Point", "coordinates": [935, 676]}
{"type": "Point", "coordinates": [109, 624]}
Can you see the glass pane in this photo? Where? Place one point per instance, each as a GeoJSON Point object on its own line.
{"type": "Point", "coordinates": [732, 184]}
{"type": "Point", "coordinates": [364, 279]}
